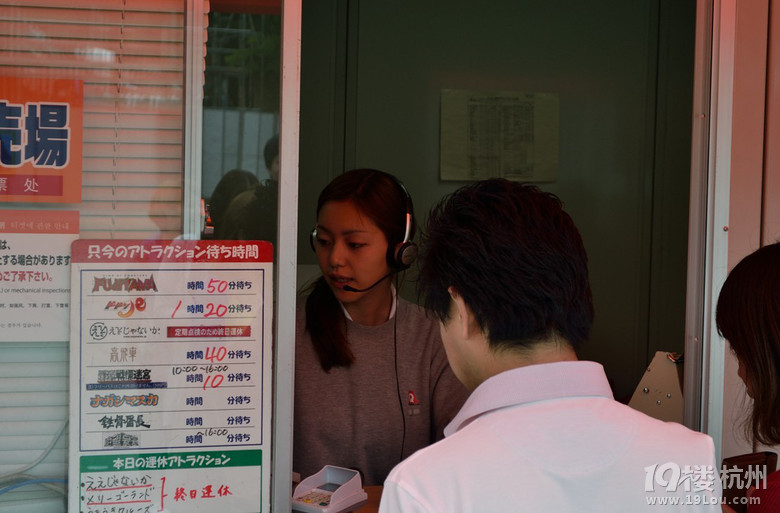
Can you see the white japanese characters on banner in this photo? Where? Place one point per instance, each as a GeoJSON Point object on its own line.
{"type": "Point", "coordinates": [170, 376]}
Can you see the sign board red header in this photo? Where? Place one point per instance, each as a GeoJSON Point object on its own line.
{"type": "Point", "coordinates": [131, 250]}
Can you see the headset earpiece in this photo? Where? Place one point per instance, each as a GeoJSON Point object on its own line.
{"type": "Point", "coordinates": [406, 251]}
{"type": "Point", "coordinates": [313, 239]}
{"type": "Point", "coordinates": [405, 255]}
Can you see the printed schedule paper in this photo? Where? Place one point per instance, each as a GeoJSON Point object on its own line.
{"type": "Point", "coordinates": [170, 376]}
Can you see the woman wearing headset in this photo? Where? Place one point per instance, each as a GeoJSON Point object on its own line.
{"type": "Point", "coordinates": [372, 382]}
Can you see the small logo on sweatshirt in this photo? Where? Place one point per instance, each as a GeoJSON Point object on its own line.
{"type": "Point", "coordinates": [413, 403]}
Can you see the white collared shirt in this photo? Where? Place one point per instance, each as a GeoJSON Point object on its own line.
{"type": "Point", "coordinates": [550, 438]}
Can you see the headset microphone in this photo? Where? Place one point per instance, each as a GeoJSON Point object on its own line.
{"type": "Point", "coordinates": [380, 280]}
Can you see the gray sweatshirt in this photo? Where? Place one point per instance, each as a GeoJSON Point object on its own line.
{"type": "Point", "coordinates": [352, 417]}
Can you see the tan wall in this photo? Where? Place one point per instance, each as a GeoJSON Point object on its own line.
{"type": "Point", "coordinates": [754, 205]}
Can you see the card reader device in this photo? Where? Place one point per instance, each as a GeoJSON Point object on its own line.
{"type": "Point", "coordinates": [331, 490]}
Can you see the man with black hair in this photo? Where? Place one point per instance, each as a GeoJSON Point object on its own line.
{"type": "Point", "coordinates": [505, 271]}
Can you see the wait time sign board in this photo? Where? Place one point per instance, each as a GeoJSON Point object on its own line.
{"type": "Point", "coordinates": [170, 376]}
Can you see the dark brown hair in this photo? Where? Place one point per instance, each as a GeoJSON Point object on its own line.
{"type": "Point", "coordinates": [748, 316]}
{"type": "Point", "coordinates": [516, 258]}
{"type": "Point", "coordinates": [380, 197]}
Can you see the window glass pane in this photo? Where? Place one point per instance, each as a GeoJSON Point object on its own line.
{"type": "Point", "coordinates": [126, 61]}
{"type": "Point", "coordinates": [92, 146]}
{"type": "Point", "coordinates": [241, 125]}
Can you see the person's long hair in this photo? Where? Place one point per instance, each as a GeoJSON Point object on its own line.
{"type": "Point", "coordinates": [378, 196]}
{"type": "Point", "coordinates": [748, 316]}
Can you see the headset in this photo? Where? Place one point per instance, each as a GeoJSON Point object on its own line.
{"type": "Point", "coordinates": [399, 258]}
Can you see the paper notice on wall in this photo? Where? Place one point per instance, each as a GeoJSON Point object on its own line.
{"type": "Point", "coordinates": [513, 135]}
{"type": "Point", "coordinates": [35, 274]}
{"type": "Point", "coordinates": [171, 376]}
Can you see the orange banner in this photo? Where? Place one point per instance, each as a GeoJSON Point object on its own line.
{"type": "Point", "coordinates": [41, 129]}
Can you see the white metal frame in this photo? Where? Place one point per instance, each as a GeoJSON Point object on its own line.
{"type": "Point", "coordinates": [709, 215]}
{"type": "Point", "coordinates": [193, 116]}
{"type": "Point", "coordinates": [286, 256]}
{"type": "Point", "coordinates": [697, 218]}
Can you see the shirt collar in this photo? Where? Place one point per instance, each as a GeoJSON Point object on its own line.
{"type": "Point", "coordinates": [530, 384]}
